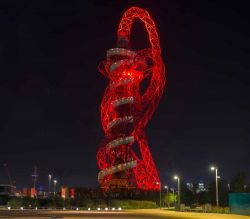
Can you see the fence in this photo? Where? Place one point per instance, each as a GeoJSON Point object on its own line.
{"type": "Point", "coordinates": [239, 203]}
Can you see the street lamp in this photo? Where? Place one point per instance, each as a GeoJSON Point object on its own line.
{"type": "Point", "coordinates": [179, 192]}
{"type": "Point", "coordinates": [166, 187]}
{"type": "Point", "coordinates": [50, 177]}
{"type": "Point", "coordinates": [55, 182]}
{"type": "Point", "coordinates": [213, 168]}
{"type": "Point", "coordinates": [158, 183]}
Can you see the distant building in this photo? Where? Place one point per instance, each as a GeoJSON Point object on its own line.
{"type": "Point", "coordinates": [67, 193]}
{"type": "Point", "coordinates": [29, 192]}
{"type": "Point", "coordinates": [196, 187]}
{"type": "Point", "coordinates": [7, 190]}
{"type": "Point", "coordinates": [72, 193]}
{"type": "Point", "coordinates": [33, 192]}
{"type": "Point", "coordinates": [64, 192]}
{"type": "Point", "coordinates": [25, 192]}
{"type": "Point", "coordinates": [201, 187]}
{"type": "Point", "coordinates": [190, 186]}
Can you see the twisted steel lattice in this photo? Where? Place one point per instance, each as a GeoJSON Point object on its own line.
{"type": "Point", "coordinates": [125, 111]}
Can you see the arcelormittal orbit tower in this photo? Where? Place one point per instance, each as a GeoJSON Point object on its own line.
{"type": "Point", "coordinates": [126, 110]}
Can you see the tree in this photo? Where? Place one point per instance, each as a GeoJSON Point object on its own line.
{"type": "Point", "coordinates": [238, 183]}
{"type": "Point", "coordinates": [169, 199]}
{"type": "Point", "coordinates": [203, 197]}
{"type": "Point", "coordinates": [248, 188]}
{"type": "Point", "coordinates": [223, 192]}
{"type": "Point", "coordinates": [187, 196]}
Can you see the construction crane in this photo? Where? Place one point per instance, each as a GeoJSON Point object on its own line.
{"type": "Point", "coordinates": [8, 173]}
{"type": "Point", "coordinates": [35, 176]}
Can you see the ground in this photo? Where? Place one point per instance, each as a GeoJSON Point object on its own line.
{"type": "Point", "coordinates": [131, 214]}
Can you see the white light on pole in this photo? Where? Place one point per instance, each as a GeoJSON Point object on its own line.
{"type": "Point", "coordinates": [179, 192]}
{"type": "Point", "coordinates": [213, 168]}
{"type": "Point", "coordinates": [159, 183]}
{"type": "Point", "coordinates": [55, 182]}
{"type": "Point", "coordinates": [166, 187]}
{"type": "Point", "coordinates": [50, 177]}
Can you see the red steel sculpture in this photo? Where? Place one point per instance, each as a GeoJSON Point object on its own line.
{"type": "Point", "coordinates": [125, 110]}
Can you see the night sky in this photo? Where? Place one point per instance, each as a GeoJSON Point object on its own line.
{"type": "Point", "coordinates": [50, 88]}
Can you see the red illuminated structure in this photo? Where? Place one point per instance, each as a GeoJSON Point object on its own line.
{"type": "Point", "coordinates": [125, 110]}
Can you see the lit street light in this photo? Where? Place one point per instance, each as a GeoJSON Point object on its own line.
{"type": "Point", "coordinates": [166, 187]}
{"type": "Point", "coordinates": [50, 176]}
{"type": "Point", "coordinates": [213, 168]}
{"type": "Point", "coordinates": [179, 192]}
{"type": "Point", "coordinates": [55, 182]}
{"type": "Point", "coordinates": [158, 183]}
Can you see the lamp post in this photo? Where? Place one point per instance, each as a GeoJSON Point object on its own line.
{"type": "Point", "coordinates": [166, 187]}
{"type": "Point", "coordinates": [55, 182]}
{"type": "Point", "coordinates": [213, 168]}
{"type": "Point", "coordinates": [179, 192]}
{"type": "Point", "coordinates": [50, 177]}
{"type": "Point", "coordinates": [158, 183]}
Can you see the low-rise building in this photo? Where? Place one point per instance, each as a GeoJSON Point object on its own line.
{"type": "Point", "coordinates": [7, 190]}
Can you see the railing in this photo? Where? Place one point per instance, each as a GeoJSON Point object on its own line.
{"type": "Point", "coordinates": [59, 208]}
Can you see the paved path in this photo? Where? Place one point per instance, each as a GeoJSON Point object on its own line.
{"type": "Point", "coordinates": [131, 214]}
{"type": "Point", "coordinates": [186, 215]}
